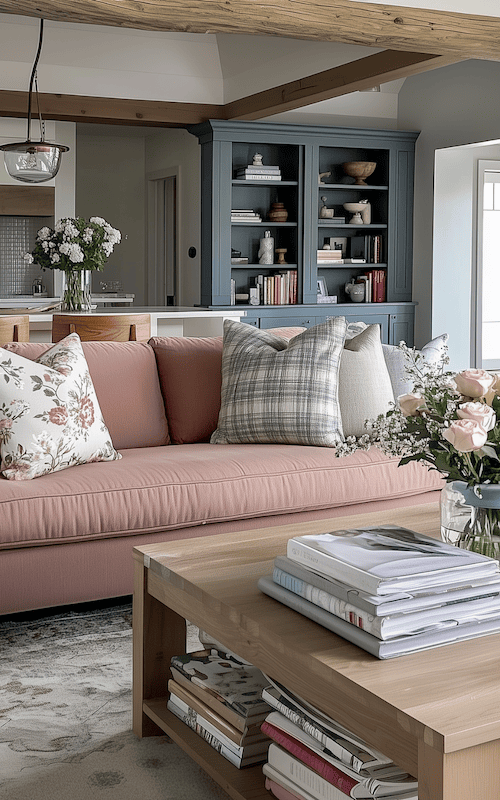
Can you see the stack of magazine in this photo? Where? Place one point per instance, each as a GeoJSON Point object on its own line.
{"type": "Point", "coordinates": [387, 589]}
{"type": "Point", "coordinates": [220, 697]}
{"type": "Point", "coordinates": [312, 757]}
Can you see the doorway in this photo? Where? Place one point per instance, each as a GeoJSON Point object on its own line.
{"type": "Point", "coordinates": [162, 224]}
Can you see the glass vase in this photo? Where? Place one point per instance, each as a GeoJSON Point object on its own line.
{"type": "Point", "coordinates": [76, 292]}
{"type": "Point", "coordinates": [481, 533]}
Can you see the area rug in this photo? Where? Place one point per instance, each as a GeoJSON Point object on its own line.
{"type": "Point", "coordinates": [66, 720]}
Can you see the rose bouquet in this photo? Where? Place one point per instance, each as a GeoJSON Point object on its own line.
{"type": "Point", "coordinates": [451, 422]}
{"type": "Point", "coordinates": [74, 246]}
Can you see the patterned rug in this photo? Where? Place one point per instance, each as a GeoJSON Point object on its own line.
{"type": "Point", "coordinates": [65, 714]}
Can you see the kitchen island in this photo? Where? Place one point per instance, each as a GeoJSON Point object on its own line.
{"type": "Point", "coordinates": [165, 320]}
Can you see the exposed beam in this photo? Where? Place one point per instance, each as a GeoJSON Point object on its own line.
{"type": "Point", "coordinates": [364, 73]}
{"type": "Point", "coordinates": [114, 111]}
{"type": "Point", "coordinates": [374, 25]}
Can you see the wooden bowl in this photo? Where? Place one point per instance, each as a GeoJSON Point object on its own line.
{"type": "Point", "coordinates": [359, 170]}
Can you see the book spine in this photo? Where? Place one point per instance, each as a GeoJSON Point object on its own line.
{"type": "Point", "coordinates": [208, 736]}
{"type": "Point", "coordinates": [328, 771]}
{"type": "Point", "coordinates": [329, 602]}
{"type": "Point", "coordinates": [209, 699]}
{"type": "Point", "coordinates": [302, 776]}
{"type": "Point", "coordinates": [262, 177]}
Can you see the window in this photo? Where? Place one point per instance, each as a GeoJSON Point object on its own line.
{"type": "Point", "coordinates": [488, 266]}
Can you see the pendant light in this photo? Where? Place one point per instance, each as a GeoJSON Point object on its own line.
{"type": "Point", "coordinates": [33, 161]}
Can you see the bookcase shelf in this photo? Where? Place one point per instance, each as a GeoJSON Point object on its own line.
{"type": "Point", "coordinates": [303, 153]}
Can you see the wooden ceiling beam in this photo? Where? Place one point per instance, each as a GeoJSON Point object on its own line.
{"type": "Point", "coordinates": [111, 110]}
{"type": "Point", "coordinates": [355, 76]}
{"type": "Point", "coordinates": [357, 23]}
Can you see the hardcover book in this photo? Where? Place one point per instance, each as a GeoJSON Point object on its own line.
{"type": "Point", "coordinates": [328, 734]}
{"type": "Point", "coordinates": [240, 738]}
{"type": "Point", "coordinates": [238, 685]}
{"type": "Point", "coordinates": [442, 614]}
{"type": "Point", "coordinates": [388, 782]}
{"type": "Point", "coordinates": [399, 646]}
{"type": "Point", "coordinates": [380, 605]}
{"type": "Point", "coordinates": [239, 756]}
{"type": "Point", "coordinates": [387, 559]}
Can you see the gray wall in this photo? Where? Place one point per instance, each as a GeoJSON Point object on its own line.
{"type": "Point", "coordinates": [452, 106]}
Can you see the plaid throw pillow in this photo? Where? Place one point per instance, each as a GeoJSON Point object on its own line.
{"type": "Point", "coordinates": [280, 392]}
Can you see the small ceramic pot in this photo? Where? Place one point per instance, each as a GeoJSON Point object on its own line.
{"type": "Point", "coordinates": [277, 213]}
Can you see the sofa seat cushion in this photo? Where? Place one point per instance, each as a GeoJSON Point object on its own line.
{"type": "Point", "coordinates": [126, 382]}
{"type": "Point", "coordinates": [160, 488]}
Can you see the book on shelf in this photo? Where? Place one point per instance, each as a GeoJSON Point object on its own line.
{"type": "Point", "coordinates": [387, 558]}
{"type": "Point", "coordinates": [240, 756]}
{"type": "Point", "coordinates": [277, 289]}
{"type": "Point", "coordinates": [328, 734]}
{"type": "Point", "coordinates": [354, 260]}
{"type": "Point", "coordinates": [239, 260]}
{"type": "Point", "coordinates": [391, 625]}
{"type": "Point", "coordinates": [392, 648]}
{"type": "Point", "coordinates": [232, 296]}
{"type": "Point", "coordinates": [245, 724]}
{"type": "Point", "coordinates": [397, 603]}
{"type": "Point", "coordinates": [388, 781]}
{"type": "Point", "coordinates": [237, 685]}
{"type": "Point", "coordinates": [262, 176]}
{"type": "Point", "coordinates": [244, 737]}
{"type": "Point", "coordinates": [332, 220]}
{"type": "Point", "coordinates": [281, 793]}
{"type": "Point", "coordinates": [289, 771]}
{"type": "Point", "coordinates": [367, 246]}
{"type": "Point", "coordinates": [251, 169]}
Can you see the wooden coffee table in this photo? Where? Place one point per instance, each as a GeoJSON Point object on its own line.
{"type": "Point", "coordinates": [436, 713]}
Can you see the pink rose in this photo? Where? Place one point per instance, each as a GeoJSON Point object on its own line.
{"type": "Point", "coordinates": [86, 412]}
{"type": "Point", "coordinates": [5, 423]}
{"type": "Point", "coordinates": [474, 382]}
{"type": "Point", "coordinates": [58, 415]}
{"type": "Point", "coordinates": [480, 412]}
{"type": "Point", "coordinates": [465, 435]}
{"type": "Point", "coordinates": [410, 404]}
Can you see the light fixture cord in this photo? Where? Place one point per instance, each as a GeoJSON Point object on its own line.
{"type": "Point", "coordinates": [33, 73]}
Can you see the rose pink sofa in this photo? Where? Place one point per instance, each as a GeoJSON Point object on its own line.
{"type": "Point", "coordinates": [68, 537]}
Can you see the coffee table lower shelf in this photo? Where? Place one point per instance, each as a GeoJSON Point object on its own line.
{"type": "Point", "coordinates": [241, 784]}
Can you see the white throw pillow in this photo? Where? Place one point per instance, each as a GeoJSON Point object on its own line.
{"type": "Point", "coordinates": [50, 418]}
{"type": "Point", "coordinates": [277, 391]}
{"type": "Point", "coordinates": [365, 389]}
{"type": "Point", "coordinates": [395, 359]}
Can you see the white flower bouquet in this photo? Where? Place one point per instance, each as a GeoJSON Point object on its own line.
{"type": "Point", "coordinates": [74, 246]}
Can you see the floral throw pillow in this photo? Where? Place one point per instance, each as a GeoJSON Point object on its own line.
{"type": "Point", "coordinates": [49, 413]}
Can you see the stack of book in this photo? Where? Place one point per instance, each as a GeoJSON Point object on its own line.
{"type": "Point", "coordinates": [375, 285]}
{"type": "Point", "coordinates": [262, 173]}
{"type": "Point", "coordinates": [220, 697]}
{"type": "Point", "coordinates": [329, 257]}
{"type": "Point", "coordinates": [387, 589]}
{"type": "Point", "coordinates": [312, 756]}
{"type": "Point", "coordinates": [245, 215]}
{"type": "Point", "coordinates": [278, 289]}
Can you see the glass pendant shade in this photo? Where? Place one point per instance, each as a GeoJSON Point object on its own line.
{"type": "Point", "coordinates": [33, 162]}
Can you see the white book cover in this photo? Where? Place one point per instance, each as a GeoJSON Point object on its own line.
{"type": "Point", "coordinates": [387, 558]}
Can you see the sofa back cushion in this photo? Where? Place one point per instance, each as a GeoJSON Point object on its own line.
{"type": "Point", "coordinates": [126, 382]}
{"type": "Point", "coordinates": [190, 378]}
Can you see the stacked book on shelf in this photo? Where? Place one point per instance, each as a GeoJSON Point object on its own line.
{"type": "Point", "coordinates": [369, 247]}
{"type": "Point", "coordinates": [220, 698]}
{"type": "Point", "coordinates": [258, 173]}
{"type": "Point", "coordinates": [313, 757]}
{"type": "Point", "coordinates": [387, 589]}
{"type": "Point", "coordinates": [375, 281]}
{"type": "Point", "coordinates": [245, 215]}
{"type": "Point", "coordinates": [278, 289]}
{"type": "Point", "coordinates": [333, 257]}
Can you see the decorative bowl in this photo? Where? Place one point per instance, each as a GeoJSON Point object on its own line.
{"type": "Point", "coordinates": [359, 170]}
{"type": "Point", "coordinates": [355, 209]}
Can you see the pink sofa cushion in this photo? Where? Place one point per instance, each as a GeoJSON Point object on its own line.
{"type": "Point", "coordinates": [160, 488]}
{"type": "Point", "coordinates": [127, 387]}
{"type": "Point", "coordinates": [190, 377]}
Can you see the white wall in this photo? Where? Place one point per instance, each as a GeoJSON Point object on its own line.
{"type": "Point", "coordinates": [452, 106]}
{"type": "Point", "coordinates": [110, 184]}
{"type": "Point", "coordinates": [180, 150]}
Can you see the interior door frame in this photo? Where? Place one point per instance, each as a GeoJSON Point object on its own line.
{"type": "Point", "coordinates": [483, 166]}
{"type": "Point", "coordinates": [152, 202]}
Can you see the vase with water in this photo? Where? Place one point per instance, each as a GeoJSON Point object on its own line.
{"type": "Point", "coordinates": [470, 517]}
{"type": "Point", "coordinates": [76, 293]}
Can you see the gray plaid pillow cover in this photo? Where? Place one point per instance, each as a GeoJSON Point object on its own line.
{"type": "Point", "coordinates": [279, 392]}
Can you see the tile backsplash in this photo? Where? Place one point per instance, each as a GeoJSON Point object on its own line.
{"type": "Point", "coordinates": [17, 237]}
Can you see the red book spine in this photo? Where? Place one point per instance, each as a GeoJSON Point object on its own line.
{"type": "Point", "coordinates": [328, 771]}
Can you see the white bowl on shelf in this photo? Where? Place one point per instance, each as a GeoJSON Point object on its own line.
{"type": "Point", "coordinates": [355, 209]}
